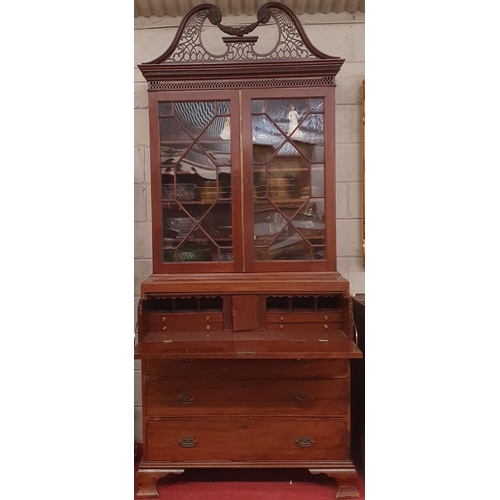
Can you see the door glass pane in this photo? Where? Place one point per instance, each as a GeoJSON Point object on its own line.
{"type": "Point", "coordinates": [288, 179]}
{"type": "Point", "coordinates": [195, 141]}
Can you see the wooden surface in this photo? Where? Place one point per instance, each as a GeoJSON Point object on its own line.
{"type": "Point", "coordinates": [247, 362]}
{"type": "Point", "coordinates": [227, 345]}
{"type": "Point", "coordinates": [234, 283]}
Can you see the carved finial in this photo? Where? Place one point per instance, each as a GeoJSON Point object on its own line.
{"type": "Point", "coordinates": [215, 17]}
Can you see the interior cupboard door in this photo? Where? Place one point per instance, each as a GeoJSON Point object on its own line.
{"type": "Point", "coordinates": [245, 312]}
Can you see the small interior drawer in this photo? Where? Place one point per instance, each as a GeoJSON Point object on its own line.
{"type": "Point", "coordinates": [188, 326]}
{"type": "Point", "coordinates": [287, 317]}
{"type": "Point", "coordinates": [180, 318]}
{"type": "Point", "coordinates": [304, 327]}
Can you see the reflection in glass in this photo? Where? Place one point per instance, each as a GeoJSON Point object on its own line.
{"type": "Point", "coordinates": [165, 109]}
{"type": "Point", "coordinates": [194, 116]}
{"type": "Point", "coordinates": [287, 114]}
{"type": "Point", "coordinates": [290, 246]}
{"type": "Point", "coordinates": [258, 106]}
{"type": "Point", "coordinates": [288, 179]}
{"type": "Point", "coordinates": [196, 181]}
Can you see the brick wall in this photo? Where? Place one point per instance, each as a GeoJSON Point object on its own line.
{"type": "Point", "coordinates": [334, 34]}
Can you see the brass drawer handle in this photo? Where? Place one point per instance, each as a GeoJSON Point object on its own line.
{"type": "Point", "coordinates": [164, 328]}
{"type": "Point", "coordinates": [304, 398]}
{"type": "Point", "coordinates": [304, 441]}
{"type": "Point", "coordinates": [326, 318]}
{"type": "Point", "coordinates": [281, 327]}
{"type": "Point", "coordinates": [187, 442]}
{"type": "Point", "coordinates": [207, 317]}
{"type": "Point", "coordinates": [164, 318]}
{"type": "Point", "coordinates": [186, 398]}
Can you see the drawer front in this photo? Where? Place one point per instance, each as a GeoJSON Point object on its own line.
{"type": "Point", "coordinates": [187, 326]}
{"type": "Point", "coordinates": [246, 439]}
{"type": "Point", "coordinates": [304, 327]}
{"type": "Point", "coordinates": [246, 397]}
{"type": "Point", "coordinates": [331, 317]}
{"type": "Point", "coordinates": [180, 318]}
{"type": "Point", "coordinates": [246, 368]}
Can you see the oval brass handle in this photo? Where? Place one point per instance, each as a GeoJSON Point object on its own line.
{"type": "Point", "coordinates": [207, 317]}
{"type": "Point", "coordinates": [164, 328]}
{"type": "Point", "coordinates": [186, 398]}
{"type": "Point", "coordinates": [164, 318]}
{"type": "Point", "coordinates": [326, 318]}
{"type": "Point", "coordinates": [282, 318]}
{"type": "Point", "coordinates": [304, 398]}
{"type": "Point", "coordinates": [326, 326]}
{"type": "Point", "coordinates": [187, 442]}
{"type": "Point", "coordinates": [281, 327]}
{"type": "Point", "coordinates": [304, 441]}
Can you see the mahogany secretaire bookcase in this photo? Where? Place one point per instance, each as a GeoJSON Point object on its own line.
{"type": "Point", "coordinates": [245, 325]}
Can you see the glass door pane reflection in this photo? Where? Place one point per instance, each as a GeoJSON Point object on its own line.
{"type": "Point", "coordinates": [288, 179]}
{"type": "Point", "coordinates": [195, 145]}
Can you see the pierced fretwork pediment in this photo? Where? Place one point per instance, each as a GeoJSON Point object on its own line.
{"type": "Point", "coordinates": [188, 45]}
{"type": "Point", "coordinates": [188, 63]}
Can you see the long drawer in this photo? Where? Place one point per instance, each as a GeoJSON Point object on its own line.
{"type": "Point", "coordinates": [246, 439]}
{"type": "Point", "coordinates": [298, 397]}
{"type": "Point", "coordinates": [246, 368]}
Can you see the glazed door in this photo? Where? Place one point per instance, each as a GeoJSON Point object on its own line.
{"type": "Point", "coordinates": [195, 178]}
{"type": "Point", "coordinates": [289, 166]}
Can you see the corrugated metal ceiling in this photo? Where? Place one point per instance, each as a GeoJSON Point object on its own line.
{"type": "Point", "coordinates": [174, 8]}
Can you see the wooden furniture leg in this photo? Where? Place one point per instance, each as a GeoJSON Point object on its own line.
{"type": "Point", "coordinates": [346, 480]}
{"type": "Point", "coordinates": [147, 479]}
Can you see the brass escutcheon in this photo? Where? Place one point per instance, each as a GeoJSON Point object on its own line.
{"type": "Point", "coordinates": [187, 442]}
{"type": "Point", "coordinates": [304, 441]}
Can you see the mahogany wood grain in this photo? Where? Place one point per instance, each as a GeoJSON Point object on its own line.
{"type": "Point", "coordinates": [147, 479]}
{"type": "Point", "coordinates": [346, 479]}
{"type": "Point", "coordinates": [246, 438]}
{"type": "Point", "coordinates": [244, 312]}
{"type": "Point", "coordinates": [227, 345]}
{"type": "Point", "coordinates": [186, 326]}
{"type": "Point", "coordinates": [245, 384]}
{"type": "Point", "coordinates": [304, 327]}
{"type": "Point", "coordinates": [305, 317]}
{"type": "Point", "coordinates": [245, 283]}
{"type": "Point", "coordinates": [179, 318]}
{"type": "Point", "coordinates": [246, 397]}
{"type": "Point", "coordinates": [205, 369]}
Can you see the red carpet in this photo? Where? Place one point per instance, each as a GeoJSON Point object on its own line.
{"type": "Point", "coordinates": [248, 484]}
